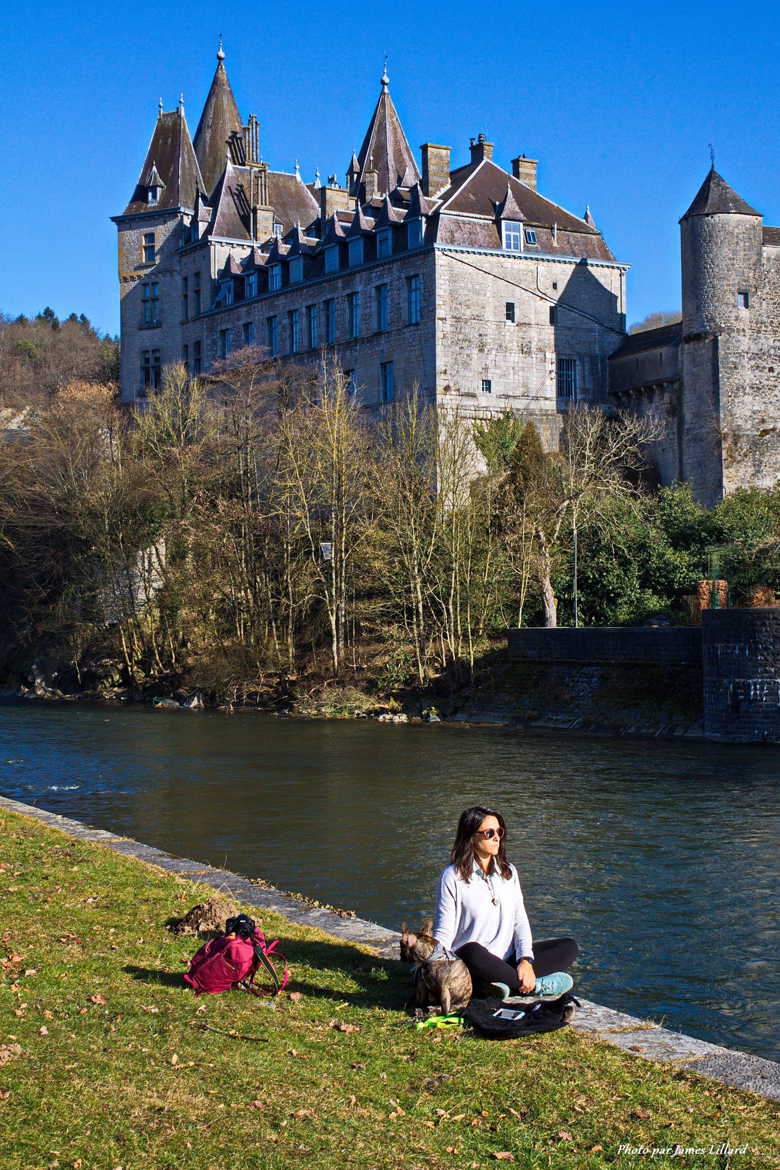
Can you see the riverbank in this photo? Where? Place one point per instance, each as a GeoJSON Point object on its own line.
{"type": "Point", "coordinates": [331, 1074]}
{"type": "Point", "coordinates": [615, 699]}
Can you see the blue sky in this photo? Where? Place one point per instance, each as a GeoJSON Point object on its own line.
{"type": "Point", "coordinates": [619, 105]}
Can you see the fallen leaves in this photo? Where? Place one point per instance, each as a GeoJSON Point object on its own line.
{"type": "Point", "coordinates": [342, 1026]}
{"type": "Point", "coordinates": [9, 1052]}
{"type": "Point", "coordinates": [296, 996]}
{"type": "Point", "coordinates": [257, 1104]}
{"type": "Point", "coordinates": [97, 998]}
{"type": "Point", "coordinates": [641, 1114]}
{"type": "Point", "coordinates": [503, 1156]}
{"type": "Point", "coordinates": [565, 1136]}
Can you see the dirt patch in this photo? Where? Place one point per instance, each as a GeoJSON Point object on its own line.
{"type": "Point", "coordinates": [206, 919]}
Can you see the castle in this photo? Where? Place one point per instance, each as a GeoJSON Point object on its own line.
{"type": "Point", "coordinates": [467, 285]}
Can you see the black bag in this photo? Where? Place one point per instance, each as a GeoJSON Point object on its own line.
{"type": "Point", "coordinates": [506, 1021]}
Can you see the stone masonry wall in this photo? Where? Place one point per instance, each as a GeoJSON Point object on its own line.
{"type": "Point", "coordinates": [741, 650]}
{"type": "Point", "coordinates": [133, 274]}
{"type": "Point", "coordinates": [476, 343]}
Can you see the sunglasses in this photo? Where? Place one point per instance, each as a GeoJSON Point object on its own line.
{"type": "Point", "coordinates": [489, 834]}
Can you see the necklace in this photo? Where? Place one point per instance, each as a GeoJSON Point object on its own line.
{"type": "Point", "coordinates": [489, 885]}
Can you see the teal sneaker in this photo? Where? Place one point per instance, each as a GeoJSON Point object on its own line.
{"type": "Point", "coordinates": [551, 986]}
{"type": "Point", "coordinates": [546, 987]}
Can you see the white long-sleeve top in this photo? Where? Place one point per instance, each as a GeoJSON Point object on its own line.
{"type": "Point", "coordinates": [465, 913]}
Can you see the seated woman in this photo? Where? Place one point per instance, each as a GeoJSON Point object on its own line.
{"type": "Point", "coordinates": [481, 918]}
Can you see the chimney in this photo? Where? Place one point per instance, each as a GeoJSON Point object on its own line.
{"type": "Point", "coordinates": [334, 198]}
{"type": "Point", "coordinates": [480, 149]}
{"type": "Point", "coordinates": [524, 169]}
{"type": "Point", "coordinates": [435, 168]}
{"type": "Point", "coordinates": [252, 140]}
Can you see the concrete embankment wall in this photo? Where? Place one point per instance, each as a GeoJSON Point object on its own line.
{"type": "Point", "coordinates": [607, 644]}
{"type": "Point", "coordinates": [738, 649]}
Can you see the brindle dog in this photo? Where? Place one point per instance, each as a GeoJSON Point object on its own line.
{"type": "Point", "coordinates": [445, 983]}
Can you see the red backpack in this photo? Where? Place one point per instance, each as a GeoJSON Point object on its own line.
{"type": "Point", "coordinates": [234, 959]}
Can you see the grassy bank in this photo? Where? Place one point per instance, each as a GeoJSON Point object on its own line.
{"type": "Point", "coordinates": [107, 1061]}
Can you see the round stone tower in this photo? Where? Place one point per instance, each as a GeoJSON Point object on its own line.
{"type": "Point", "coordinates": [721, 239]}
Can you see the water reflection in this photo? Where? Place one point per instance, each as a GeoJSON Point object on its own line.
{"type": "Point", "coordinates": [659, 857]}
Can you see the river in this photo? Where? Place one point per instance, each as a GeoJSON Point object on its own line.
{"type": "Point", "coordinates": [660, 857]}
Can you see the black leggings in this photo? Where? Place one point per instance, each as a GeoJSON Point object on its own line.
{"type": "Point", "coordinates": [551, 954]}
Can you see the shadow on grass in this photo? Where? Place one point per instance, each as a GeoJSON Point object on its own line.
{"type": "Point", "coordinates": [321, 970]}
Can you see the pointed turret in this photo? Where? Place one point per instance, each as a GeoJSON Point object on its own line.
{"type": "Point", "coordinates": [385, 152]}
{"type": "Point", "coordinates": [716, 197]}
{"type": "Point", "coordinates": [220, 119]}
{"type": "Point", "coordinates": [170, 177]}
{"type": "Point", "coordinates": [589, 220]}
{"type": "Point", "coordinates": [509, 208]}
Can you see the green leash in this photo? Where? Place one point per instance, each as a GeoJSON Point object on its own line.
{"type": "Point", "coordinates": [451, 1021]}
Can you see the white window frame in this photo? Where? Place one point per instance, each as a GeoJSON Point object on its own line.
{"type": "Point", "coordinates": [512, 235]}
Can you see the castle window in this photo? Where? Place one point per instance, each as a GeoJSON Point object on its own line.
{"type": "Point", "coordinates": [150, 369]}
{"type": "Point", "coordinates": [151, 304]}
{"type": "Point", "coordinates": [294, 321]}
{"type": "Point", "coordinates": [356, 251]}
{"type": "Point", "coordinates": [530, 236]}
{"type": "Point", "coordinates": [224, 293]}
{"type": "Point", "coordinates": [313, 325]}
{"type": "Point", "coordinates": [278, 229]}
{"type": "Point", "coordinates": [225, 342]}
{"type": "Point", "coordinates": [332, 258]}
{"type": "Point", "coordinates": [296, 270]}
{"type": "Point", "coordinates": [248, 330]}
{"type": "Point", "coordinates": [487, 386]}
{"type": "Point", "coordinates": [414, 299]}
{"type": "Point", "coordinates": [510, 231]}
{"type": "Point", "coordinates": [250, 285]}
{"type": "Point", "coordinates": [185, 300]}
{"type": "Point", "coordinates": [387, 381]}
{"type": "Point", "coordinates": [330, 322]}
{"type": "Point", "coordinates": [353, 313]}
{"type": "Point", "coordinates": [384, 243]}
{"type": "Point", "coordinates": [153, 195]}
{"type": "Point", "coordinates": [566, 379]}
{"type": "Point", "coordinates": [509, 310]}
{"type": "Point", "coordinates": [553, 316]}
{"type": "Point", "coordinates": [197, 357]}
{"type": "Point", "coordinates": [272, 335]}
{"type": "Point", "coordinates": [349, 382]}
{"type": "Point", "coordinates": [196, 293]}
{"type": "Point", "coordinates": [414, 233]}
{"type": "Point", "coordinates": [274, 278]}
{"type": "Point", "coordinates": [382, 293]}
{"type": "Point", "coordinates": [743, 299]}
{"type": "Point", "coordinates": [149, 248]}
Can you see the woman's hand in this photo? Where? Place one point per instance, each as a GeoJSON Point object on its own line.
{"type": "Point", "coordinates": [527, 977]}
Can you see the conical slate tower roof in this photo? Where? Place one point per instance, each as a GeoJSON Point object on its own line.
{"type": "Point", "coordinates": [715, 197]}
{"type": "Point", "coordinates": [220, 119]}
{"type": "Point", "coordinates": [385, 147]}
{"type": "Point", "coordinates": [171, 165]}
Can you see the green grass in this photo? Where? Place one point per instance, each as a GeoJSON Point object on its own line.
{"type": "Point", "coordinates": [115, 1068]}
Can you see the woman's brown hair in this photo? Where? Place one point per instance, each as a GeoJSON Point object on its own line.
{"type": "Point", "coordinates": [463, 854]}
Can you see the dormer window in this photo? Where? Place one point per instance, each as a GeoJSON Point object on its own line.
{"type": "Point", "coordinates": [414, 233]}
{"type": "Point", "coordinates": [332, 258]}
{"type": "Point", "coordinates": [277, 229]}
{"type": "Point", "coordinates": [153, 195]}
{"type": "Point", "coordinates": [224, 294]}
{"type": "Point", "coordinates": [296, 270]}
{"type": "Point", "coordinates": [511, 235]}
{"type": "Point", "coordinates": [530, 236]}
{"type": "Point", "coordinates": [356, 251]}
{"type": "Point", "coordinates": [274, 278]}
{"type": "Point", "coordinates": [250, 285]}
{"type": "Point", "coordinates": [384, 243]}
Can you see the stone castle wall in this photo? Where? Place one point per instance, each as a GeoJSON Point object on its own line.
{"type": "Point", "coordinates": [742, 675]}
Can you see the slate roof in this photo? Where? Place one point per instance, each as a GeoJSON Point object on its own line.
{"type": "Point", "coordinates": [715, 197]}
{"type": "Point", "coordinates": [771, 236]}
{"type": "Point", "coordinates": [220, 118]}
{"type": "Point", "coordinates": [645, 339]}
{"type": "Point", "coordinates": [481, 189]}
{"type": "Point", "coordinates": [231, 216]}
{"type": "Point", "coordinates": [292, 201]}
{"type": "Point", "coordinates": [386, 148]}
{"type": "Point", "coordinates": [171, 158]}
